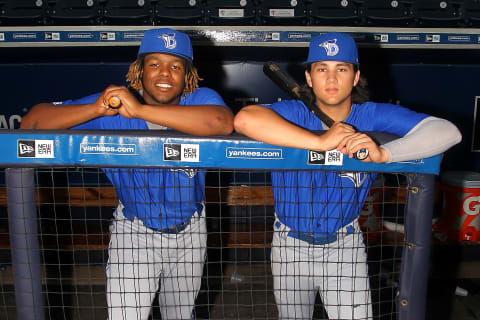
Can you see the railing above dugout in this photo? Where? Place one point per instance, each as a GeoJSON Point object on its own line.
{"type": "Point", "coordinates": [136, 148]}
{"type": "Point", "coordinates": [240, 36]}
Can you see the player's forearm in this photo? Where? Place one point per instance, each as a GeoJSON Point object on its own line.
{"type": "Point", "coordinates": [263, 124]}
{"type": "Point", "coordinates": [49, 116]}
{"type": "Point", "coordinates": [430, 137]}
{"type": "Point", "coordinates": [202, 120]}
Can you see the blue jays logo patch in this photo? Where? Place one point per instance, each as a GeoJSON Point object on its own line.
{"type": "Point", "coordinates": [357, 178]}
{"type": "Point", "coordinates": [169, 40]}
{"type": "Point", "coordinates": [330, 47]}
{"type": "Point", "coordinates": [189, 172]}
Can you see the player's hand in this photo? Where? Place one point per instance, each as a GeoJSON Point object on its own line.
{"type": "Point", "coordinates": [337, 133]}
{"type": "Point", "coordinates": [358, 141]}
{"type": "Point", "coordinates": [102, 108]}
{"type": "Point", "coordinates": [129, 105]}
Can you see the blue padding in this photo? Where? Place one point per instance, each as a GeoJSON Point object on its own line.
{"type": "Point", "coordinates": [412, 294]}
{"type": "Point", "coordinates": [116, 35]}
{"type": "Point", "coordinates": [167, 149]}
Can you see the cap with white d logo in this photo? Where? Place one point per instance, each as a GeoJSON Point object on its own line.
{"type": "Point", "coordinates": [333, 46]}
{"type": "Point", "coordinates": [165, 40]}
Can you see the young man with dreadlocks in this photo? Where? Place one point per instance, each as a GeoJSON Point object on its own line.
{"type": "Point", "coordinates": [158, 236]}
{"type": "Point", "coordinates": [317, 245]}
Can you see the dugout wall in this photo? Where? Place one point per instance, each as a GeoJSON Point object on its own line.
{"type": "Point", "coordinates": [426, 69]}
{"type": "Point", "coordinates": [429, 70]}
{"type": "Point", "coordinates": [58, 274]}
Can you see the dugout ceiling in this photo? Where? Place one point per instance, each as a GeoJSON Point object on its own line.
{"type": "Point", "coordinates": [355, 13]}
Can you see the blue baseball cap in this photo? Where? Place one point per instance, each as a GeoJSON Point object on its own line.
{"type": "Point", "coordinates": [168, 41]}
{"type": "Point", "coordinates": [333, 46]}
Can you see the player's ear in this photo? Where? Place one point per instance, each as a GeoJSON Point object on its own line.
{"type": "Point", "coordinates": [356, 78]}
{"type": "Point", "coordinates": [308, 78]}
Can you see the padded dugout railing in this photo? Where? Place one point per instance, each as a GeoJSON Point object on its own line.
{"type": "Point", "coordinates": [241, 183]}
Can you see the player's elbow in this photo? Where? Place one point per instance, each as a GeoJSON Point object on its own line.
{"type": "Point", "coordinates": [445, 133]}
{"type": "Point", "coordinates": [29, 121]}
{"type": "Point", "coordinates": [240, 122]}
{"type": "Point", "coordinates": [453, 135]}
{"type": "Point", "coordinates": [38, 117]}
{"type": "Point", "coordinates": [222, 123]}
{"type": "Point", "coordinates": [25, 124]}
{"type": "Point", "coordinates": [243, 120]}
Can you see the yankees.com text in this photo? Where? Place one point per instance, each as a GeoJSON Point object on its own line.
{"type": "Point", "coordinates": [107, 148]}
{"type": "Point", "coordinates": [254, 153]}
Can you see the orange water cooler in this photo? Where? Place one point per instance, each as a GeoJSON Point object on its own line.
{"type": "Point", "coordinates": [460, 216]}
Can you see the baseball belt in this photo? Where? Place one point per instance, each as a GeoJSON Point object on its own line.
{"type": "Point", "coordinates": [319, 239]}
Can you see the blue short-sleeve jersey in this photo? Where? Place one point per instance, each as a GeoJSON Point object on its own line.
{"type": "Point", "coordinates": [161, 198]}
{"type": "Point", "coordinates": [316, 201]}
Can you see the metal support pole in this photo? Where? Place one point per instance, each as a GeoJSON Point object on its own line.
{"type": "Point", "coordinates": [22, 218]}
{"type": "Point", "coordinates": [411, 299]}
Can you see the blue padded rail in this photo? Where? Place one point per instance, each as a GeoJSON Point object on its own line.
{"type": "Point", "coordinates": [49, 148]}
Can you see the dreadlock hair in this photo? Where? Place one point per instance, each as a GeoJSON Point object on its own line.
{"type": "Point", "coordinates": [360, 93]}
{"type": "Point", "coordinates": [135, 73]}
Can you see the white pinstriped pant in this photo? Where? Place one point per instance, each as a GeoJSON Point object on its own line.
{"type": "Point", "coordinates": [142, 261]}
{"type": "Point", "coordinates": [338, 271]}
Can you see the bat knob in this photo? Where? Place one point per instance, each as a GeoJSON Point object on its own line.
{"type": "Point", "coordinates": [114, 102]}
{"type": "Point", "coordinates": [361, 154]}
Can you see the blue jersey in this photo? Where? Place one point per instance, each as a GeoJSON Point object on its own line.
{"type": "Point", "coordinates": [159, 197]}
{"type": "Point", "coordinates": [316, 201]}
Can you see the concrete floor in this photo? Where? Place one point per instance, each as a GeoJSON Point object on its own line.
{"type": "Point", "coordinates": [443, 303]}
{"type": "Point", "coordinates": [240, 291]}
{"type": "Point", "coordinates": [454, 266]}
{"type": "Point", "coordinates": [242, 295]}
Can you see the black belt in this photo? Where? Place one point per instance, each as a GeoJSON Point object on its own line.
{"type": "Point", "coordinates": [312, 239]}
{"type": "Point", "coordinates": [316, 239]}
{"type": "Point", "coordinates": [176, 228]}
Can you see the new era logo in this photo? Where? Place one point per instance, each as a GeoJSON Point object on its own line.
{"type": "Point", "coordinates": [315, 157]}
{"type": "Point", "coordinates": [181, 152]}
{"type": "Point", "coordinates": [171, 152]}
{"type": "Point", "coordinates": [26, 149]}
{"type": "Point", "coordinates": [328, 158]}
{"type": "Point", "coordinates": [35, 149]}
